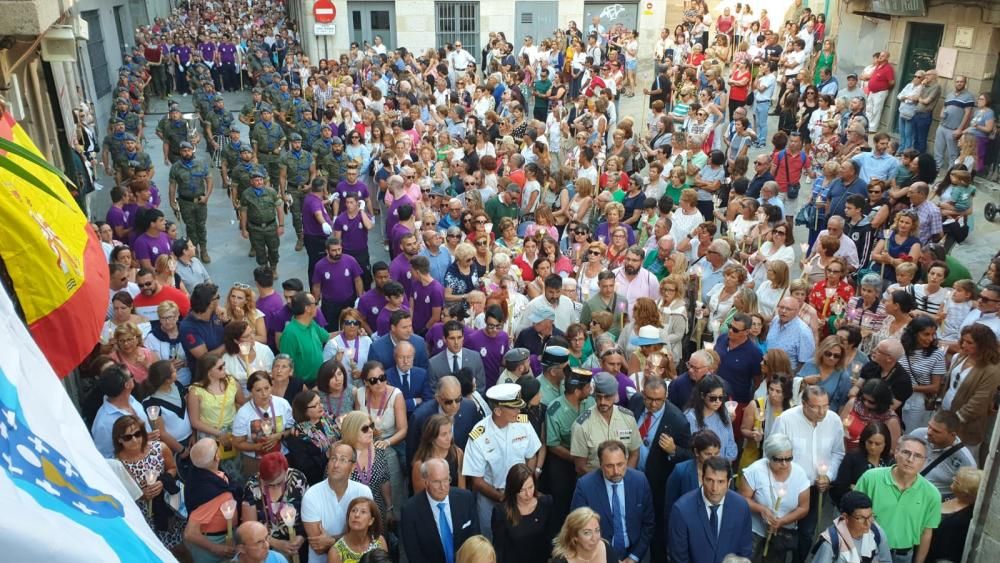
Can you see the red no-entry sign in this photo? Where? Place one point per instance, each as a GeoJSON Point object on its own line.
{"type": "Point", "coordinates": [324, 11]}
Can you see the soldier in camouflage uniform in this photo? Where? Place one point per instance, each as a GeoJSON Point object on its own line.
{"type": "Point", "coordinates": [250, 114]}
{"type": "Point", "coordinates": [309, 128]}
{"type": "Point", "coordinates": [239, 174]}
{"type": "Point", "coordinates": [190, 188]}
{"type": "Point", "coordinates": [219, 121]}
{"type": "Point", "coordinates": [113, 145]}
{"type": "Point", "coordinates": [172, 130]}
{"type": "Point", "coordinates": [267, 138]}
{"type": "Point", "coordinates": [133, 124]}
{"type": "Point", "coordinates": [284, 108]}
{"type": "Point", "coordinates": [335, 162]}
{"type": "Point", "coordinates": [258, 206]}
{"type": "Point", "coordinates": [255, 65]}
{"type": "Point", "coordinates": [323, 145]}
{"type": "Point", "coordinates": [297, 106]}
{"type": "Point", "coordinates": [131, 153]}
{"type": "Point", "coordinates": [298, 168]}
{"type": "Point", "coordinates": [272, 89]}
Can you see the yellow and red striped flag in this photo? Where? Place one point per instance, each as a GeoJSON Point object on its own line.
{"type": "Point", "coordinates": [57, 268]}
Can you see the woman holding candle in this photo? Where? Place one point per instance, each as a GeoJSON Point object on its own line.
{"type": "Point", "coordinates": [166, 397]}
{"type": "Point", "coordinates": [759, 415]}
{"type": "Point", "coordinates": [372, 466]}
{"type": "Point", "coordinates": [261, 423]}
{"type": "Point", "coordinates": [873, 404]}
{"type": "Point", "coordinates": [854, 359]}
{"type": "Point", "coordinates": [244, 354]}
{"type": "Point", "coordinates": [153, 468]}
{"type": "Point", "coordinates": [875, 439]}
{"type": "Point", "coordinates": [902, 245]}
{"type": "Point", "coordinates": [364, 533]}
{"type": "Point", "coordinates": [437, 441]}
{"type": "Point", "coordinates": [673, 312]}
{"type": "Point", "coordinates": [777, 490]}
{"type": "Point", "coordinates": [354, 343]}
{"type": "Point", "coordinates": [705, 410]}
{"type": "Point", "coordinates": [213, 400]}
{"type": "Point", "coordinates": [265, 497]}
{"type": "Point", "coordinates": [781, 246]}
{"type": "Point", "coordinates": [827, 369]}
{"type": "Point", "coordinates": [386, 408]}
{"type": "Point", "coordinates": [314, 433]}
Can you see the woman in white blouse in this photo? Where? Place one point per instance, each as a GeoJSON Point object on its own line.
{"type": "Point", "coordinates": [244, 354]}
{"type": "Point", "coordinates": [781, 246]}
{"type": "Point", "coordinates": [354, 343]}
{"type": "Point", "coordinates": [774, 287]}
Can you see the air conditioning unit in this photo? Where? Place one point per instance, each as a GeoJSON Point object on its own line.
{"type": "Point", "coordinates": [59, 44]}
{"type": "Point", "coordinates": [81, 28]}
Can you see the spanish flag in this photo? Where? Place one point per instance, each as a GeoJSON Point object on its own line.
{"type": "Point", "coordinates": [57, 270]}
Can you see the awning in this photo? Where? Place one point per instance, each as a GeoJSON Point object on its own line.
{"type": "Point", "coordinates": [884, 9]}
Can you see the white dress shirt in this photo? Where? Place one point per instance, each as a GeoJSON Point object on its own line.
{"type": "Point", "coordinates": [437, 513]}
{"type": "Point", "coordinates": [708, 509]}
{"type": "Point", "coordinates": [813, 445]}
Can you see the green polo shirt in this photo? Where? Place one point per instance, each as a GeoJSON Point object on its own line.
{"type": "Point", "coordinates": [304, 343]}
{"type": "Point", "coordinates": [904, 515]}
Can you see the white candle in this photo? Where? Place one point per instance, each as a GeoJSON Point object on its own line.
{"type": "Point", "coordinates": [153, 412]}
{"type": "Point", "coordinates": [731, 408]}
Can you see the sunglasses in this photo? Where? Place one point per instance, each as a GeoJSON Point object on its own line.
{"type": "Point", "coordinates": [832, 355]}
{"type": "Point", "coordinates": [133, 436]}
{"type": "Point", "coordinates": [782, 459]}
{"type": "Point", "coordinates": [146, 284]}
{"type": "Point", "coordinates": [715, 398]}
{"type": "Point", "coordinates": [447, 402]}
{"type": "Point", "coordinates": [482, 243]}
{"type": "Point", "coordinates": [837, 271]}
{"type": "Point", "coordinates": [782, 233]}
{"type": "Point", "coordinates": [734, 330]}
{"type": "Point", "coordinates": [239, 285]}
{"type": "Point", "coordinates": [594, 253]}
{"type": "Point", "coordinates": [375, 380]}
{"type": "Point", "coordinates": [367, 428]}
{"type": "Point", "coordinates": [352, 322]}
{"type": "Point", "coordinates": [580, 232]}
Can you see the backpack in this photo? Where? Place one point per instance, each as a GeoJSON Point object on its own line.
{"type": "Point", "coordinates": [835, 541]}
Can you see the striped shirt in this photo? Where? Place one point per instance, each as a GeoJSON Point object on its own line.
{"type": "Point", "coordinates": [922, 366]}
{"type": "Point", "coordinates": [930, 303]}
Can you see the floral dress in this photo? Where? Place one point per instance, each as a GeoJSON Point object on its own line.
{"type": "Point", "coordinates": [153, 462]}
{"type": "Point", "coordinates": [376, 475]}
{"type": "Point", "coordinates": [347, 555]}
{"type": "Point", "coordinates": [269, 510]}
{"type": "Point", "coordinates": [830, 302]}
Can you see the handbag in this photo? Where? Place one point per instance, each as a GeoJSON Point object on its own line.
{"type": "Point", "coordinates": [806, 214]}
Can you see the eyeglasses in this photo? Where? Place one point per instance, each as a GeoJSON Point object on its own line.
{"type": "Point", "coordinates": [314, 405]}
{"type": "Point", "coordinates": [832, 355]}
{"type": "Point", "coordinates": [782, 459]}
{"type": "Point", "coordinates": [493, 326]}
{"type": "Point", "coordinates": [988, 300]}
{"type": "Point", "coordinates": [734, 330]}
{"type": "Point", "coordinates": [133, 436]}
{"type": "Point", "coordinates": [367, 428]}
{"type": "Point", "coordinates": [448, 402]}
{"type": "Point", "coordinates": [832, 271]}
{"type": "Point", "coordinates": [868, 518]}
{"type": "Point", "coordinates": [715, 398]}
{"type": "Point", "coordinates": [351, 322]}
{"type": "Point", "coordinates": [126, 339]}
{"type": "Point", "coordinates": [782, 233]}
{"type": "Point", "coordinates": [375, 380]}
{"type": "Point", "coordinates": [594, 253]}
{"type": "Point", "coordinates": [912, 455]}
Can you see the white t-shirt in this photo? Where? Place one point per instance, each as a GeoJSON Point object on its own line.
{"type": "Point", "coordinates": [245, 423]}
{"type": "Point", "coordinates": [765, 488]}
{"type": "Point", "coordinates": [320, 504]}
{"type": "Point", "coordinates": [262, 361]}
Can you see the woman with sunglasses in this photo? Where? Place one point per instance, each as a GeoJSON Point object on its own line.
{"type": "Point", "coordinates": [706, 409]}
{"type": "Point", "coordinates": [385, 407]}
{"type": "Point", "coordinates": [153, 468]}
{"type": "Point", "coordinates": [244, 355]}
{"type": "Point", "coordinates": [900, 245]}
{"type": "Point", "coordinates": [350, 346]}
{"type": "Point", "coordinates": [129, 351]}
{"type": "Point", "coordinates": [831, 295]}
{"type": "Point", "coordinates": [261, 423]}
{"type": "Point", "coordinates": [828, 370]}
{"type": "Point", "coordinates": [461, 277]}
{"type": "Point", "coordinates": [437, 441]}
{"type": "Point", "coordinates": [777, 490]}
{"type": "Point", "coordinates": [760, 414]}
{"type": "Point", "coordinates": [372, 466]}
{"type": "Point", "coordinates": [274, 486]}
{"type": "Point", "coordinates": [872, 404]}
{"type": "Point", "coordinates": [213, 399]}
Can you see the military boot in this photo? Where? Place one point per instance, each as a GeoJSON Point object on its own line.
{"type": "Point", "coordinates": [205, 258]}
{"type": "Point", "coordinates": [252, 252]}
{"type": "Point", "coordinates": [299, 244]}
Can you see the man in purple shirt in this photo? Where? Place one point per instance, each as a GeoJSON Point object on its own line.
{"type": "Point", "coordinates": [182, 56]}
{"type": "Point", "coordinates": [405, 226]}
{"type": "Point", "coordinates": [352, 226]}
{"type": "Point", "coordinates": [426, 296]}
{"type": "Point", "coordinates": [270, 301]}
{"type": "Point", "coordinates": [350, 184]}
{"type": "Point", "coordinates": [337, 281]}
{"type": "Point", "coordinates": [374, 299]}
{"type": "Point", "coordinates": [316, 223]}
{"type": "Point", "coordinates": [153, 241]}
{"type": "Point", "coordinates": [118, 217]}
{"type": "Point", "coordinates": [491, 343]}
{"type": "Point", "coordinates": [400, 198]}
{"type": "Point", "coordinates": [399, 269]}
{"type": "Point", "coordinates": [227, 59]}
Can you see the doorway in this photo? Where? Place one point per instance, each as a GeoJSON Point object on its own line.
{"type": "Point", "coordinates": [923, 42]}
{"type": "Point", "coordinates": [369, 19]}
{"type": "Point", "coordinates": [536, 18]}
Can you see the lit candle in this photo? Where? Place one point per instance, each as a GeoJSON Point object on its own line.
{"type": "Point", "coordinates": [153, 412]}
{"type": "Point", "coordinates": [779, 494]}
{"type": "Point", "coordinates": [709, 346]}
{"type": "Point", "coordinates": [288, 514]}
{"type": "Point", "coordinates": [805, 248]}
{"type": "Point", "coordinates": [821, 469]}
{"type": "Point", "coordinates": [228, 510]}
{"type": "Point", "coordinates": [731, 409]}
{"type": "Point", "coordinates": [151, 477]}
{"type": "Point", "coordinates": [266, 426]}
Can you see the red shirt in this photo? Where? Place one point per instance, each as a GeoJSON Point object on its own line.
{"type": "Point", "coordinates": [796, 164]}
{"type": "Point", "coordinates": [152, 53]}
{"type": "Point", "coordinates": [146, 306]}
{"type": "Point", "coordinates": [882, 78]}
{"type": "Point", "coordinates": [739, 93]}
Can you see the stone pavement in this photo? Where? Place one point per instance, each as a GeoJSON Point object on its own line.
{"type": "Point", "coordinates": [228, 249]}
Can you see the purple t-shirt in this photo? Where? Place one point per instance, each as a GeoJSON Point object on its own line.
{"type": "Point", "coordinates": [227, 52]}
{"type": "Point", "coordinates": [435, 338]}
{"type": "Point", "coordinates": [336, 279]}
{"type": "Point", "coordinates": [149, 248]}
{"type": "Point", "coordinates": [491, 350]}
{"type": "Point", "coordinates": [392, 216]}
{"type": "Point", "coordinates": [382, 323]}
{"type": "Point", "coordinates": [399, 230]}
{"type": "Point", "coordinates": [207, 51]}
{"type": "Point", "coordinates": [370, 304]}
{"type": "Point", "coordinates": [352, 232]}
{"type": "Point", "coordinates": [310, 205]}
{"type": "Point", "coordinates": [183, 53]}
{"type": "Point", "coordinates": [270, 306]}
{"type": "Point", "coordinates": [343, 188]}
{"type": "Point", "coordinates": [118, 217]}
{"type": "Point", "coordinates": [400, 271]}
{"type": "Point", "coordinates": [425, 298]}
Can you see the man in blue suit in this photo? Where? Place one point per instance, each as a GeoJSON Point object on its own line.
{"type": "Point", "coordinates": [436, 523]}
{"type": "Point", "coordinates": [710, 522]}
{"type": "Point", "coordinates": [400, 330]}
{"type": "Point", "coordinates": [608, 491]}
{"type": "Point", "coordinates": [448, 401]}
{"type": "Point", "coordinates": [411, 380]}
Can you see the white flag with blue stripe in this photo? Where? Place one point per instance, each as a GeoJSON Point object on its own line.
{"type": "Point", "coordinates": [59, 499]}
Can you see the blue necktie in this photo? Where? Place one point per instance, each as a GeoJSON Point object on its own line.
{"type": "Point", "coordinates": [713, 521]}
{"type": "Point", "coordinates": [618, 542]}
{"type": "Point", "coordinates": [447, 541]}
{"type": "Point", "coordinates": [406, 381]}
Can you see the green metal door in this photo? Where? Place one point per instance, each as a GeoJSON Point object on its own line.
{"type": "Point", "coordinates": [923, 42]}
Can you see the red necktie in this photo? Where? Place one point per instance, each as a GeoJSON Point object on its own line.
{"type": "Point", "coordinates": [644, 429]}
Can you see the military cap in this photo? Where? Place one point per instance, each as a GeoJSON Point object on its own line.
{"type": "Point", "coordinates": [187, 145]}
{"type": "Point", "coordinates": [294, 137]}
{"type": "Point", "coordinates": [514, 357]}
{"type": "Point", "coordinates": [506, 395]}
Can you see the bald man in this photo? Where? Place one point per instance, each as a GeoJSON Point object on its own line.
{"type": "Point", "coordinates": [253, 545]}
{"type": "Point", "coordinates": [448, 401]}
{"type": "Point", "coordinates": [791, 334]}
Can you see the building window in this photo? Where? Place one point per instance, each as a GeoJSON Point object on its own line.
{"type": "Point", "coordinates": [458, 21]}
{"type": "Point", "coordinates": [95, 49]}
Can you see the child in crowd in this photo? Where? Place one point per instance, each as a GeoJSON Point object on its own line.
{"type": "Point", "coordinates": [905, 274]}
{"type": "Point", "coordinates": [962, 301]}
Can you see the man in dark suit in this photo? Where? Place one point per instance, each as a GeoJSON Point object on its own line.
{"type": "Point", "coordinates": [666, 441]}
{"type": "Point", "coordinates": [400, 330]}
{"type": "Point", "coordinates": [411, 380]}
{"type": "Point", "coordinates": [710, 522]}
{"type": "Point", "coordinates": [449, 402]}
{"type": "Point", "coordinates": [454, 357]}
{"type": "Point", "coordinates": [436, 523]}
{"type": "Point", "coordinates": [608, 491]}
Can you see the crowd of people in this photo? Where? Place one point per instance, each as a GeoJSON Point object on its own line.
{"type": "Point", "coordinates": [578, 336]}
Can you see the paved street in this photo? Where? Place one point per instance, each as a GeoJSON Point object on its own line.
{"type": "Point", "coordinates": [228, 250]}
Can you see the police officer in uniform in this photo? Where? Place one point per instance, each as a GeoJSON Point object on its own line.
{"type": "Point", "coordinates": [604, 421]}
{"type": "Point", "coordinates": [250, 114]}
{"type": "Point", "coordinates": [554, 360]}
{"type": "Point", "coordinates": [258, 206]}
{"type": "Point", "coordinates": [172, 130]}
{"type": "Point", "coordinates": [516, 363]}
{"type": "Point", "coordinates": [130, 153]}
{"type": "Point", "coordinates": [190, 189]}
{"type": "Point", "coordinates": [497, 443]}
{"type": "Point", "coordinates": [560, 476]}
{"type": "Point", "coordinates": [267, 138]}
{"type": "Point", "coordinates": [298, 168]}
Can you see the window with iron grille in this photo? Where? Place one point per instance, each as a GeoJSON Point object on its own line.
{"type": "Point", "coordinates": [458, 21]}
{"type": "Point", "coordinates": [95, 49]}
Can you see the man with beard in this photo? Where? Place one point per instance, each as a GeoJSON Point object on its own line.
{"type": "Point", "coordinates": [374, 299]}
{"type": "Point", "coordinates": [353, 225]}
{"type": "Point", "coordinates": [337, 280]}
{"type": "Point", "coordinates": [604, 419]}
{"type": "Point", "coordinates": [400, 269]}
{"type": "Point", "coordinates": [633, 281]}
{"type": "Point", "coordinates": [152, 293]}
{"type": "Point", "coordinates": [542, 328]}
{"type": "Point", "coordinates": [553, 298]}
{"type": "Point", "coordinates": [607, 299]}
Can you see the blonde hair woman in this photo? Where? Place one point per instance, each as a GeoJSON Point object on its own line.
{"type": "Point", "coordinates": [591, 268]}
{"type": "Point", "coordinates": [580, 541]}
{"type": "Point", "coordinates": [241, 305]}
{"type": "Point", "coordinates": [673, 312]}
{"type": "Point", "coordinates": [372, 466]}
{"type": "Point", "coordinates": [129, 350]}
{"type": "Point", "coordinates": [774, 287]}
{"type": "Point", "coordinates": [476, 549]}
